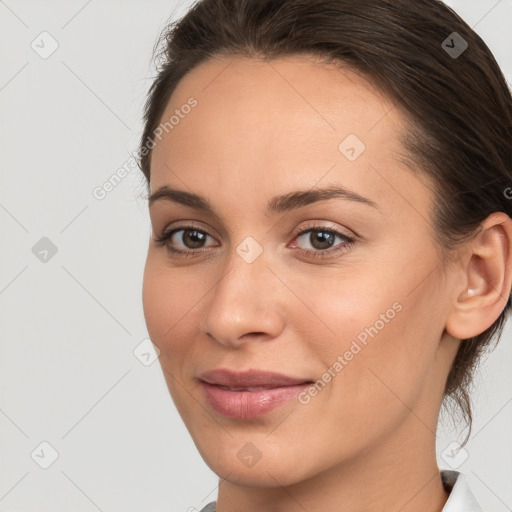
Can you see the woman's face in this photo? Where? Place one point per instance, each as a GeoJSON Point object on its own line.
{"type": "Point", "coordinates": [343, 290]}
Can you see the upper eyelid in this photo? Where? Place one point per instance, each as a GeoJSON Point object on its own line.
{"type": "Point", "coordinates": [320, 225]}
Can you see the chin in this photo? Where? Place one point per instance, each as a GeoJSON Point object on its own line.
{"type": "Point", "coordinates": [244, 464]}
{"type": "Point", "coordinates": [264, 475]}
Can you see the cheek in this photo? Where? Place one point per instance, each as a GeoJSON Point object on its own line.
{"type": "Point", "coordinates": [343, 310]}
{"type": "Point", "coordinates": [154, 296]}
{"type": "Point", "coordinates": [166, 297]}
{"type": "Point", "coordinates": [168, 304]}
{"type": "Point", "coordinates": [374, 341]}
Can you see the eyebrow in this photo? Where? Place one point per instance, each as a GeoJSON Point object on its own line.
{"type": "Point", "coordinates": [278, 204]}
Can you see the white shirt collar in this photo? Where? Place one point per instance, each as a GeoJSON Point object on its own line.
{"type": "Point", "coordinates": [461, 499]}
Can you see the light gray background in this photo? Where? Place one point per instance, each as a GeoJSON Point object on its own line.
{"type": "Point", "coordinates": [69, 326]}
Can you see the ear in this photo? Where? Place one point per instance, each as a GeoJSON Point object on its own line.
{"type": "Point", "coordinates": [483, 287]}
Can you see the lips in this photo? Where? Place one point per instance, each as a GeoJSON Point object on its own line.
{"type": "Point", "coordinates": [251, 380]}
{"type": "Point", "coordinates": [251, 394]}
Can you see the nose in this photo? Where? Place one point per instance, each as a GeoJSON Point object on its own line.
{"type": "Point", "coordinates": [247, 303]}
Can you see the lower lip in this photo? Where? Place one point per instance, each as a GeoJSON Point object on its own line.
{"type": "Point", "coordinates": [249, 404]}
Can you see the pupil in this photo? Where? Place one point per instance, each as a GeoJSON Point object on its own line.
{"type": "Point", "coordinates": [323, 237]}
{"type": "Point", "coordinates": [194, 239]}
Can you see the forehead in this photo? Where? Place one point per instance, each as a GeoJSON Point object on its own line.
{"type": "Point", "coordinates": [245, 92]}
{"type": "Point", "coordinates": [257, 123]}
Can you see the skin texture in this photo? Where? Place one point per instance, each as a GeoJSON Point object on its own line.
{"type": "Point", "coordinates": [366, 441]}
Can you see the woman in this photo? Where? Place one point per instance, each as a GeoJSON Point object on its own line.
{"type": "Point", "coordinates": [331, 245]}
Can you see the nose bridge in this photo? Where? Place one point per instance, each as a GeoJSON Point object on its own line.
{"type": "Point", "coordinates": [243, 300]}
{"type": "Point", "coordinates": [246, 267]}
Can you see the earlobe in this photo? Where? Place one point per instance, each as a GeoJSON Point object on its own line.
{"type": "Point", "coordinates": [486, 279]}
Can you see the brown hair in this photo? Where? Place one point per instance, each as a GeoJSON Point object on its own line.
{"type": "Point", "coordinates": [459, 106]}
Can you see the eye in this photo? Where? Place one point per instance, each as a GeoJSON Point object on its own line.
{"type": "Point", "coordinates": [185, 240]}
{"type": "Point", "coordinates": [317, 241]}
{"type": "Point", "coordinates": [320, 241]}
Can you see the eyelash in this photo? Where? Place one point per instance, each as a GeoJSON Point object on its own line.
{"type": "Point", "coordinates": [164, 241]}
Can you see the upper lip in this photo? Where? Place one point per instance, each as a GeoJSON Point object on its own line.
{"type": "Point", "coordinates": [251, 378]}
